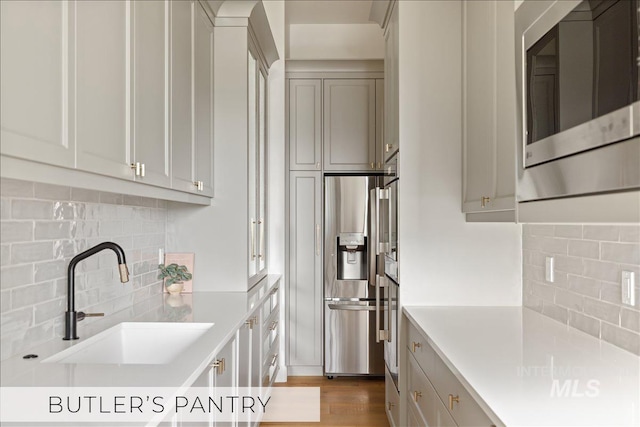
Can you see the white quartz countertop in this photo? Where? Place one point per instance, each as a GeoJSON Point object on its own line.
{"type": "Point", "coordinates": [227, 310]}
{"type": "Point", "coordinates": [515, 363]}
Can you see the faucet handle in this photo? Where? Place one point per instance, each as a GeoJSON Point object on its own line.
{"type": "Point", "coordinates": [82, 315]}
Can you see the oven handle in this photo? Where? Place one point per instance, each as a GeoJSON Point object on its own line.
{"type": "Point", "coordinates": [348, 307]}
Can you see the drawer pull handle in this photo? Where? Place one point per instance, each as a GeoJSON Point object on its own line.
{"type": "Point", "coordinates": [390, 405]}
{"type": "Point", "coordinates": [416, 395]}
{"type": "Point", "coordinates": [219, 365]}
{"type": "Point", "coordinates": [452, 399]}
{"type": "Point", "coordinates": [415, 345]}
{"type": "Point", "coordinates": [273, 326]}
{"type": "Point", "coordinates": [274, 359]}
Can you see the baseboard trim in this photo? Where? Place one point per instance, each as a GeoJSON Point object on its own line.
{"type": "Point", "coordinates": [304, 371]}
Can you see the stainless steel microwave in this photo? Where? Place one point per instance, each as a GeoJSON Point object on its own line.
{"type": "Point", "coordinates": [578, 97]}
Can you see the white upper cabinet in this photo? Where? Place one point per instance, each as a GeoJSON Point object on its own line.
{"type": "Point", "coordinates": [391, 140]}
{"type": "Point", "coordinates": [489, 100]}
{"type": "Point", "coordinates": [191, 102]}
{"type": "Point", "coordinates": [182, 145]}
{"type": "Point", "coordinates": [203, 101]}
{"type": "Point", "coordinates": [34, 70]}
{"type": "Point", "coordinates": [349, 124]}
{"type": "Point", "coordinates": [102, 87]}
{"type": "Point", "coordinates": [305, 124]}
{"type": "Point", "coordinates": [150, 91]}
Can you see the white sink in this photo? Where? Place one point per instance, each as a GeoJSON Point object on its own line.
{"type": "Point", "coordinates": [134, 343]}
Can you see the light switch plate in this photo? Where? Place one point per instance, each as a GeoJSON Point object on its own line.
{"type": "Point", "coordinates": [628, 284]}
{"type": "Point", "coordinates": [548, 269]}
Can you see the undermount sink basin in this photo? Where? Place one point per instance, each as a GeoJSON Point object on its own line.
{"type": "Point", "coordinates": [134, 343]}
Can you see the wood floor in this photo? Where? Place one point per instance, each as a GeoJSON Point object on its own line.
{"type": "Point", "coordinates": [344, 401]}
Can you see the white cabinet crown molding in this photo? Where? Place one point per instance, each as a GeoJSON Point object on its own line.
{"type": "Point", "coordinates": [249, 13]}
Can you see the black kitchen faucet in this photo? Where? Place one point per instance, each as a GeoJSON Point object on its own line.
{"type": "Point", "coordinates": [71, 318]}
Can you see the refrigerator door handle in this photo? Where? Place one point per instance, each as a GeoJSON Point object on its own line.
{"type": "Point", "coordinates": [349, 307]}
{"type": "Point", "coordinates": [377, 308]}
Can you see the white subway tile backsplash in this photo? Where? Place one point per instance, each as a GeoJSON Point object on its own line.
{"type": "Point", "coordinates": [31, 252]}
{"type": "Point", "coordinates": [586, 290]}
{"type": "Point", "coordinates": [586, 324]}
{"type": "Point", "coordinates": [43, 227]}
{"type": "Point", "coordinates": [51, 192]}
{"type": "Point", "coordinates": [621, 337]}
{"type": "Point", "coordinates": [625, 253]}
{"type": "Point", "coordinates": [50, 270]}
{"type": "Point", "coordinates": [601, 232]}
{"type": "Point", "coordinates": [630, 233]}
{"type": "Point", "coordinates": [49, 230]}
{"type": "Point", "coordinates": [602, 310]}
{"type": "Point", "coordinates": [630, 319]}
{"type": "Point", "coordinates": [15, 188]}
{"type": "Point", "coordinates": [16, 231]}
{"type": "Point", "coordinates": [607, 271]}
{"type": "Point", "coordinates": [572, 231]}
{"type": "Point", "coordinates": [31, 209]}
{"type": "Point", "coordinates": [584, 248]}
{"type": "Point", "coordinates": [32, 294]}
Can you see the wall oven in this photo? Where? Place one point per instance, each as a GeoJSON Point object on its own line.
{"type": "Point", "coordinates": [578, 97]}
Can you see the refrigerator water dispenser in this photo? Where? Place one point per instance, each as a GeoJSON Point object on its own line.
{"type": "Point", "coordinates": [352, 256]}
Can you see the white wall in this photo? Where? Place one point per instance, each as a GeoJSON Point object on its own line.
{"type": "Point", "coordinates": [335, 41]}
{"type": "Point", "coordinates": [444, 260]}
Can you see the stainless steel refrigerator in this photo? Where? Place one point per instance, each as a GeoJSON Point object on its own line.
{"type": "Point", "coordinates": [353, 272]}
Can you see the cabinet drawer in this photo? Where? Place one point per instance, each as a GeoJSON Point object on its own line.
{"type": "Point", "coordinates": [421, 350]}
{"type": "Point", "coordinates": [270, 333]}
{"type": "Point", "coordinates": [422, 395]}
{"type": "Point", "coordinates": [413, 417]}
{"type": "Point", "coordinates": [466, 412]}
{"type": "Point", "coordinates": [270, 365]}
{"type": "Point", "coordinates": [270, 304]}
{"type": "Point", "coordinates": [392, 400]}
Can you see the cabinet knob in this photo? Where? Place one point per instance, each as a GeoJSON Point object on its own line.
{"type": "Point", "coordinates": [373, 165]}
{"type": "Point", "coordinates": [416, 395]}
{"type": "Point", "coordinates": [453, 399]}
{"type": "Point", "coordinates": [415, 345]}
{"type": "Point", "coordinates": [484, 201]}
{"type": "Point", "coordinates": [318, 165]}
{"type": "Point", "coordinates": [199, 185]}
{"type": "Point", "coordinates": [388, 147]}
{"type": "Point", "coordinates": [218, 364]}
{"type": "Point", "coordinates": [379, 165]}
{"type": "Point", "coordinates": [390, 405]}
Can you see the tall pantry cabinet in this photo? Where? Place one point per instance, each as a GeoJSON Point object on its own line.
{"type": "Point", "coordinates": [231, 234]}
{"type": "Point", "coordinates": [334, 125]}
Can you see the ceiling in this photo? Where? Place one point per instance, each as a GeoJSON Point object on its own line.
{"type": "Point", "coordinates": [327, 11]}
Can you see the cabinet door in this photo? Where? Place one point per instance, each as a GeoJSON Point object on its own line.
{"type": "Point", "coordinates": [489, 107]}
{"type": "Point", "coordinates": [203, 99]}
{"type": "Point", "coordinates": [379, 124]}
{"type": "Point", "coordinates": [253, 166]}
{"type": "Point", "coordinates": [101, 112]}
{"type": "Point", "coordinates": [391, 107]}
{"type": "Point", "coordinates": [150, 90]}
{"type": "Point", "coordinates": [182, 145]}
{"type": "Point", "coordinates": [305, 275]}
{"type": "Point", "coordinates": [305, 124]}
{"type": "Point", "coordinates": [262, 171]}
{"type": "Point", "coordinates": [34, 74]}
{"type": "Point", "coordinates": [349, 124]}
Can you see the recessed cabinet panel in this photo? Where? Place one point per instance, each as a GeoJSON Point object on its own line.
{"type": "Point", "coordinates": [305, 124]}
{"type": "Point", "coordinates": [391, 116]}
{"type": "Point", "coordinates": [150, 86]}
{"type": "Point", "coordinates": [489, 99]}
{"type": "Point", "coordinates": [349, 124]}
{"type": "Point", "coordinates": [305, 274]}
{"type": "Point", "coordinates": [203, 100]}
{"type": "Point", "coordinates": [34, 93]}
{"type": "Point", "coordinates": [182, 148]}
{"type": "Point", "coordinates": [102, 85]}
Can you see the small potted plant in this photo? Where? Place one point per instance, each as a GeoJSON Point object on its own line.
{"type": "Point", "coordinates": [174, 276]}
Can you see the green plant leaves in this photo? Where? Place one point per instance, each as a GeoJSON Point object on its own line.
{"type": "Point", "coordinates": [173, 273]}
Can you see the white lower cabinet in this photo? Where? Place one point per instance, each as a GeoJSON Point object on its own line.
{"type": "Point", "coordinates": [392, 400]}
{"type": "Point", "coordinates": [435, 397]}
